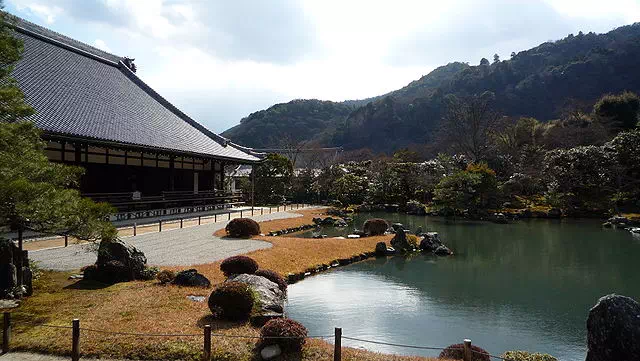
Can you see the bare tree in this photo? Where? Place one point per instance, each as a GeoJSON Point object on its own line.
{"type": "Point", "coordinates": [468, 125]}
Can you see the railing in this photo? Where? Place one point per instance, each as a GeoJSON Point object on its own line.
{"type": "Point", "coordinates": [207, 334]}
{"type": "Point", "coordinates": [198, 220]}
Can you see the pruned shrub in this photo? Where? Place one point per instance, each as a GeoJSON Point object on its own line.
{"type": "Point", "coordinates": [232, 301]}
{"type": "Point", "coordinates": [274, 277]}
{"type": "Point", "coordinates": [375, 226]}
{"type": "Point", "coordinates": [456, 352]}
{"type": "Point", "coordinates": [275, 331]}
{"type": "Point", "coordinates": [166, 276]}
{"type": "Point", "coordinates": [238, 265]}
{"type": "Point", "coordinates": [242, 228]}
{"type": "Point", "coordinates": [527, 356]}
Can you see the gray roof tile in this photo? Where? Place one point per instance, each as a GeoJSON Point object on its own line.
{"type": "Point", "coordinates": [96, 96]}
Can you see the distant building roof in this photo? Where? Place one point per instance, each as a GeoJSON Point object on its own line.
{"type": "Point", "coordinates": [80, 91]}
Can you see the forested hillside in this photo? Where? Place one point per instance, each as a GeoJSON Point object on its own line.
{"type": "Point", "coordinates": [541, 82]}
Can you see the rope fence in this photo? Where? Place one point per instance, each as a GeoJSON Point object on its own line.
{"type": "Point", "coordinates": [207, 334]}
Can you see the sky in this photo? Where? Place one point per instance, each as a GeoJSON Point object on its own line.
{"type": "Point", "coordinates": [220, 60]}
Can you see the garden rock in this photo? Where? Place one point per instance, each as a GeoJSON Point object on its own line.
{"type": "Point", "coordinates": [9, 260]}
{"type": "Point", "coordinates": [270, 297]}
{"type": "Point", "coordinates": [430, 242]}
{"type": "Point", "coordinates": [554, 213]}
{"type": "Point", "coordinates": [400, 242]}
{"type": "Point", "coordinates": [191, 278]}
{"type": "Point", "coordinates": [270, 352]}
{"type": "Point", "coordinates": [613, 329]}
{"type": "Point", "coordinates": [116, 250]}
{"type": "Point", "coordinates": [329, 221]}
{"type": "Point", "coordinates": [442, 251]}
{"type": "Point", "coordinates": [397, 226]}
{"type": "Point", "coordinates": [340, 223]}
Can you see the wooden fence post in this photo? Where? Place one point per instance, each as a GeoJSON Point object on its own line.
{"type": "Point", "coordinates": [206, 352]}
{"type": "Point", "coordinates": [229, 215]}
{"type": "Point", "coordinates": [66, 240]}
{"type": "Point", "coordinates": [135, 229]}
{"type": "Point", "coordinates": [467, 350]}
{"type": "Point", "coordinates": [241, 213]}
{"type": "Point", "coordinates": [199, 219]}
{"type": "Point", "coordinates": [251, 211]}
{"type": "Point", "coordinates": [6, 332]}
{"type": "Point", "coordinates": [215, 217]}
{"type": "Point", "coordinates": [180, 222]}
{"type": "Point", "coordinates": [337, 345]}
{"type": "Point", "coordinates": [160, 225]}
{"type": "Point", "coordinates": [261, 210]}
{"type": "Point", "coordinates": [75, 340]}
{"type": "Point", "coordinates": [278, 209]}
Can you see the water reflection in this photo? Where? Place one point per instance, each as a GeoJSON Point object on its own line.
{"type": "Point", "coordinates": [520, 286]}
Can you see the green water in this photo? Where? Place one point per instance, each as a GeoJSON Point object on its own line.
{"type": "Point", "coordinates": [527, 285]}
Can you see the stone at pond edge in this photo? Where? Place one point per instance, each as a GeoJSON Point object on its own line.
{"type": "Point", "coordinates": [381, 249]}
{"type": "Point", "coordinates": [191, 278]}
{"type": "Point", "coordinates": [271, 298]}
{"type": "Point", "coordinates": [400, 242]}
{"type": "Point", "coordinates": [397, 226]}
{"type": "Point", "coordinates": [270, 352]}
{"type": "Point", "coordinates": [442, 251]}
{"type": "Point", "coordinates": [430, 242]}
{"type": "Point", "coordinates": [613, 330]}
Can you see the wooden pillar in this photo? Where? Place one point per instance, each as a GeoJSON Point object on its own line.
{"type": "Point", "coordinates": [19, 266]}
{"type": "Point", "coordinates": [253, 186]}
{"type": "Point", "coordinates": [224, 191]}
{"type": "Point", "coordinates": [172, 174]}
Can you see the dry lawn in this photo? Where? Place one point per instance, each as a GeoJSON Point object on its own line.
{"type": "Point", "coordinates": [147, 307]}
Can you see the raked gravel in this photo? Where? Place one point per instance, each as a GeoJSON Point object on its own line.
{"type": "Point", "coordinates": [175, 247]}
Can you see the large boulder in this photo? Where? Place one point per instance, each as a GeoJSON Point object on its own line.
{"type": "Point", "coordinates": [191, 278]}
{"type": "Point", "coordinates": [270, 297]}
{"type": "Point", "coordinates": [613, 330]}
{"type": "Point", "coordinates": [430, 242]}
{"type": "Point", "coordinates": [381, 249]}
{"type": "Point", "coordinates": [10, 257]}
{"type": "Point", "coordinates": [400, 242]}
{"type": "Point", "coordinates": [442, 251]}
{"type": "Point", "coordinates": [118, 262]}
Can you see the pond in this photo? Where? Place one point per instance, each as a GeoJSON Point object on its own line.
{"type": "Point", "coordinates": [527, 285]}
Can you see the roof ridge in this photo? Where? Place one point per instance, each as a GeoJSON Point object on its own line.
{"type": "Point", "coordinates": [57, 38]}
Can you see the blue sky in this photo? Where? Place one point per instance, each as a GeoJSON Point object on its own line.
{"type": "Point", "coordinates": [221, 60]}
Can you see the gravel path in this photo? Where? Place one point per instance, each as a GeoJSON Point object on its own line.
{"type": "Point", "coordinates": [176, 247]}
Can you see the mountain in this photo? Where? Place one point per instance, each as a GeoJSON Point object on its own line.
{"type": "Point", "coordinates": [537, 82]}
{"type": "Point", "coordinates": [297, 120]}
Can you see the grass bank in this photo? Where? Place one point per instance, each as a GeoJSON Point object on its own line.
{"type": "Point", "coordinates": [147, 307]}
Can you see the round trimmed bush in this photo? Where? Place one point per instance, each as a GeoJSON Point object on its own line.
{"type": "Point", "coordinates": [242, 228]}
{"type": "Point", "coordinates": [456, 352]}
{"type": "Point", "coordinates": [375, 226]}
{"type": "Point", "coordinates": [283, 327]}
{"type": "Point", "coordinates": [232, 301]}
{"type": "Point", "coordinates": [237, 265]}
{"type": "Point", "coordinates": [274, 277]}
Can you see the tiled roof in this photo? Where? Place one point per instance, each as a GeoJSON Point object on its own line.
{"type": "Point", "coordinates": [80, 91]}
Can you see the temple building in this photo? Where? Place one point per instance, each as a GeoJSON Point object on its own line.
{"type": "Point", "coordinates": [139, 151]}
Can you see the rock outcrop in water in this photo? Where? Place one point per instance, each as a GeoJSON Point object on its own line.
{"type": "Point", "coordinates": [613, 330]}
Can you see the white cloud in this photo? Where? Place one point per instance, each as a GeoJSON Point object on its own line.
{"type": "Point", "coordinates": [252, 53]}
{"type": "Point", "coordinates": [45, 12]}
{"type": "Point", "coordinates": [100, 44]}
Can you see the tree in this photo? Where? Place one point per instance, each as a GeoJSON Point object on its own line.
{"type": "Point", "coordinates": [484, 61]}
{"type": "Point", "coordinates": [273, 179]}
{"type": "Point", "coordinates": [580, 177]}
{"type": "Point", "coordinates": [496, 58]}
{"type": "Point", "coordinates": [618, 112]}
{"type": "Point", "coordinates": [38, 195]}
{"type": "Point", "coordinates": [468, 125]}
{"type": "Point", "coordinates": [12, 105]}
{"type": "Point", "coordinates": [625, 150]}
{"type": "Point", "coordinates": [473, 189]}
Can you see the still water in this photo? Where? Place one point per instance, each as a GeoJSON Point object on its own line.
{"type": "Point", "coordinates": [522, 286]}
